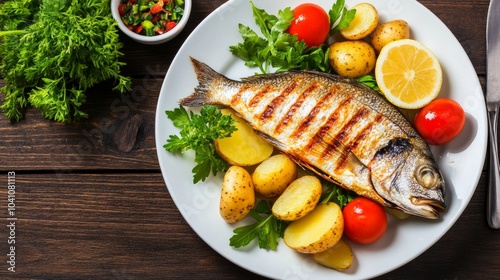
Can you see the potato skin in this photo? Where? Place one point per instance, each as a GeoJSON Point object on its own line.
{"type": "Point", "coordinates": [273, 175]}
{"type": "Point", "coordinates": [388, 32]}
{"type": "Point", "coordinates": [237, 195]}
{"type": "Point", "coordinates": [352, 59]}
{"type": "Point", "coordinates": [298, 199]}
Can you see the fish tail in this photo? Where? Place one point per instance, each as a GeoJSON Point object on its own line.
{"type": "Point", "coordinates": [202, 93]}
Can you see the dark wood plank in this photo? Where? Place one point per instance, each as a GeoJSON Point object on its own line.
{"type": "Point", "coordinates": [98, 142]}
{"type": "Point", "coordinates": [90, 226]}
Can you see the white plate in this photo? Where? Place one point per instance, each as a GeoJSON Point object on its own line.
{"type": "Point", "coordinates": [461, 160]}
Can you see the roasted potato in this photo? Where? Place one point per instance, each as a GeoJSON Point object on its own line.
{"type": "Point", "coordinates": [317, 231]}
{"type": "Point", "coordinates": [273, 175]}
{"type": "Point", "coordinates": [389, 31]}
{"type": "Point", "coordinates": [352, 59]}
{"type": "Point", "coordinates": [244, 147]}
{"type": "Point", "coordinates": [339, 257]}
{"type": "Point", "coordinates": [237, 196]}
{"type": "Point", "coordinates": [298, 199]}
{"type": "Point", "coordinates": [364, 22]}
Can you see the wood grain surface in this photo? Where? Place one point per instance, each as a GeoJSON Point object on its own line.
{"type": "Point", "coordinates": [91, 202]}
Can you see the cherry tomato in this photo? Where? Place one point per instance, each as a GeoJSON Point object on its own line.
{"type": "Point", "coordinates": [365, 221]}
{"type": "Point", "coordinates": [440, 121]}
{"type": "Point", "coordinates": [311, 24]}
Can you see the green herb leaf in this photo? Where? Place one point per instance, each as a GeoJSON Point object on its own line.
{"type": "Point", "coordinates": [267, 229]}
{"type": "Point", "coordinates": [369, 81]}
{"type": "Point", "coordinates": [334, 193]}
{"type": "Point", "coordinates": [198, 133]}
{"type": "Point", "coordinates": [340, 16]}
{"type": "Point", "coordinates": [52, 52]}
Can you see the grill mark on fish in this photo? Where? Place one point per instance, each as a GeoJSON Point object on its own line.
{"type": "Point", "coordinates": [278, 101]}
{"type": "Point", "coordinates": [269, 111]}
{"type": "Point", "coordinates": [365, 131]}
{"type": "Point", "coordinates": [236, 97]}
{"type": "Point", "coordinates": [325, 130]}
{"type": "Point", "coordinates": [321, 105]}
{"type": "Point", "coordinates": [283, 123]}
{"type": "Point", "coordinates": [346, 131]}
{"type": "Point", "coordinates": [260, 95]}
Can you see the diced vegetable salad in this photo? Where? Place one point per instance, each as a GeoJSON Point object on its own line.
{"type": "Point", "coordinates": [151, 17]}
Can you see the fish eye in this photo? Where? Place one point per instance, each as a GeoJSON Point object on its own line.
{"type": "Point", "coordinates": [426, 176]}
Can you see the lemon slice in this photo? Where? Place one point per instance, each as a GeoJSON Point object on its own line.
{"type": "Point", "coordinates": [364, 22]}
{"type": "Point", "coordinates": [408, 74]}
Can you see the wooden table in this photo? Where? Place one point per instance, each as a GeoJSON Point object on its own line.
{"type": "Point", "coordinates": [91, 201]}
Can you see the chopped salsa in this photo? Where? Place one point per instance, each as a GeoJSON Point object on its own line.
{"type": "Point", "coordinates": [151, 17]}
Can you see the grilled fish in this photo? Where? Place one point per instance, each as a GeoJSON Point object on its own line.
{"type": "Point", "coordinates": [337, 128]}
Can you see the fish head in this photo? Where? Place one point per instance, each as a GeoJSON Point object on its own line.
{"type": "Point", "coordinates": [414, 185]}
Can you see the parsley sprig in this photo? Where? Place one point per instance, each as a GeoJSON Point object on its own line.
{"type": "Point", "coordinates": [267, 229]}
{"type": "Point", "coordinates": [198, 133]}
{"type": "Point", "coordinates": [334, 193]}
{"type": "Point", "coordinates": [281, 50]}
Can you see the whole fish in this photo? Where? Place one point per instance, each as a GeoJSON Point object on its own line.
{"type": "Point", "coordinates": [336, 127]}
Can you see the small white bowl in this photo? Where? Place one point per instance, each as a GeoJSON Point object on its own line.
{"type": "Point", "coordinates": [157, 39]}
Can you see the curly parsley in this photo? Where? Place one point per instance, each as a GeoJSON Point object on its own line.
{"type": "Point", "coordinates": [53, 51]}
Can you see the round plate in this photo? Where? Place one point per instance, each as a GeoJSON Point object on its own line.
{"type": "Point", "coordinates": [461, 160]}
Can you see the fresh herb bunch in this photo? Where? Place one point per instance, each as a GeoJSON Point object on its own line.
{"type": "Point", "coordinates": [267, 229]}
{"type": "Point", "coordinates": [284, 51]}
{"type": "Point", "coordinates": [53, 51]}
{"type": "Point", "coordinates": [198, 133]}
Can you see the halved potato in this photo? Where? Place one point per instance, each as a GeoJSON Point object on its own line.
{"type": "Point", "coordinates": [319, 230]}
{"type": "Point", "coordinates": [364, 22]}
{"type": "Point", "coordinates": [273, 175]}
{"type": "Point", "coordinates": [298, 199]}
{"type": "Point", "coordinates": [244, 147]}
{"type": "Point", "coordinates": [338, 257]}
{"type": "Point", "coordinates": [237, 196]}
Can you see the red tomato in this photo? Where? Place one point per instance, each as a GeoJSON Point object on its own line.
{"type": "Point", "coordinates": [440, 121]}
{"type": "Point", "coordinates": [121, 9]}
{"type": "Point", "coordinates": [156, 9]}
{"type": "Point", "coordinates": [311, 24]}
{"type": "Point", "coordinates": [365, 221]}
{"type": "Point", "coordinates": [171, 25]}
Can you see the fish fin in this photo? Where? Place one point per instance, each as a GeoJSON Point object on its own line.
{"type": "Point", "coordinates": [261, 78]}
{"type": "Point", "coordinates": [206, 78]}
{"type": "Point", "coordinates": [349, 160]}
{"type": "Point", "coordinates": [315, 171]}
{"type": "Point", "coordinates": [280, 146]}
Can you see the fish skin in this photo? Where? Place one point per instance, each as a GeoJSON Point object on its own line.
{"type": "Point", "coordinates": [336, 127]}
